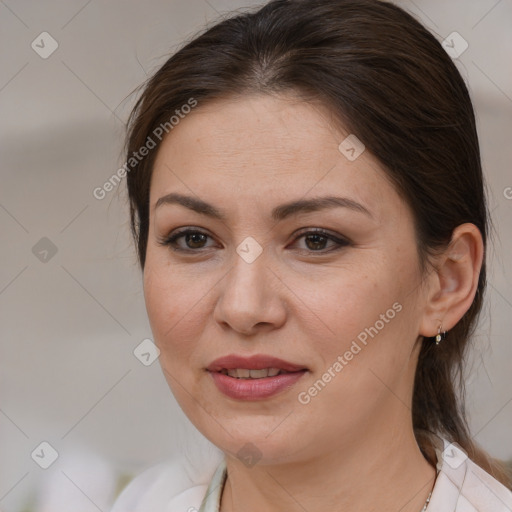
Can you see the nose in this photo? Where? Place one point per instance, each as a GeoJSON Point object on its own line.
{"type": "Point", "coordinates": [251, 297]}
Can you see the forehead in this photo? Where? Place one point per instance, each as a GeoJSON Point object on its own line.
{"type": "Point", "coordinates": [259, 147]}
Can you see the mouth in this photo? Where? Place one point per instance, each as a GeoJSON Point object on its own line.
{"type": "Point", "coordinates": [254, 378]}
{"type": "Point", "coordinates": [253, 364]}
{"type": "Point", "coordinates": [245, 373]}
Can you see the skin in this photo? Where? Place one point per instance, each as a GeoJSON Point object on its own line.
{"type": "Point", "coordinates": [352, 445]}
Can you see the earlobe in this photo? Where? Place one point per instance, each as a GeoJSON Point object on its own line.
{"type": "Point", "coordinates": [454, 282]}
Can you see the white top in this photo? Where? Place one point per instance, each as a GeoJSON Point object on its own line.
{"type": "Point", "coordinates": [461, 486]}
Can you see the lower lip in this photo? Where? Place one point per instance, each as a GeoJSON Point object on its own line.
{"type": "Point", "coordinates": [254, 389]}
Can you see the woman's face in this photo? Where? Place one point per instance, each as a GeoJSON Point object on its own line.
{"type": "Point", "coordinates": [344, 307]}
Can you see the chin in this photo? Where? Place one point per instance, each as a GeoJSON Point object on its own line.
{"type": "Point", "coordinates": [255, 440]}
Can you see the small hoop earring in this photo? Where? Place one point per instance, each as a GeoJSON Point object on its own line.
{"type": "Point", "coordinates": [440, 337]}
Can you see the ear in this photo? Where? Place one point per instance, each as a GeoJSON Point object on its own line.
{"type": "Point", "coordinates": [454, 282]}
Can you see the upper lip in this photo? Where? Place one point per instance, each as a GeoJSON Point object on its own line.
{"type": "Point", "coordinates": [255, 362]}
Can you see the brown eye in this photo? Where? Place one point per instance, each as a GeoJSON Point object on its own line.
{"type": "Point", "coordinates": [316, 241]}
{"type": "Point", "coordinates": [194, 240]}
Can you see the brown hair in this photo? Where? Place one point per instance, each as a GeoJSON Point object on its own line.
{"type": "Point", "coordinates": [389, 81]}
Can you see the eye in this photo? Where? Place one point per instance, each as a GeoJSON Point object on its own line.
{"type": "Point", "coordinates": [193, 239]}
{"type": "Point", "coordinates": [317, 239]}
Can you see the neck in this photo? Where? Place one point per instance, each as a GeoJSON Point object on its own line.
{"type": "Point", "coordinates": [385, 472]}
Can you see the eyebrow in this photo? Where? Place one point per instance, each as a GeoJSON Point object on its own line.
{"type": "Point", "coordinates": [279, 213]}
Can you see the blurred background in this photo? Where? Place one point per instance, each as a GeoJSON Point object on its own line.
{"type": "Point", "coordinates": [74, 396]}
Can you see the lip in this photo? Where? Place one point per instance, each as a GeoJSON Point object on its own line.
{"type": "Point", "coordinates": [255, 362]}
{"type": "Point", "coordinates": [254, 389]}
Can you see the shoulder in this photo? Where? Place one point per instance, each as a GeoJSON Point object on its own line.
{"type": "Point", "coordinates": [463, 486]}
{"type": "Point", "coordinates": [167, 487]}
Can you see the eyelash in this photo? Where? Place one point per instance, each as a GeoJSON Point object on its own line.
{"type": "Point", "coordinates": [170, 241]}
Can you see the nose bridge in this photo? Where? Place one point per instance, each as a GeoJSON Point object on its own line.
{"type": "Point", "coordinates": [247, 279]}
{"type": "Point", "coordinates": [247, 297]}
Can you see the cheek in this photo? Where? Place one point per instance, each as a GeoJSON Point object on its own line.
{"type": "Point", "coordinates": [360, 315]}
{"type": "Point", "coordinates": [173, 307]}
{"type": "Point", "coordinates": [343, 302]}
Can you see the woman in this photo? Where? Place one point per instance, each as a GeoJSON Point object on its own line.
{"type": "Point", "coordinates": [308, 206]}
